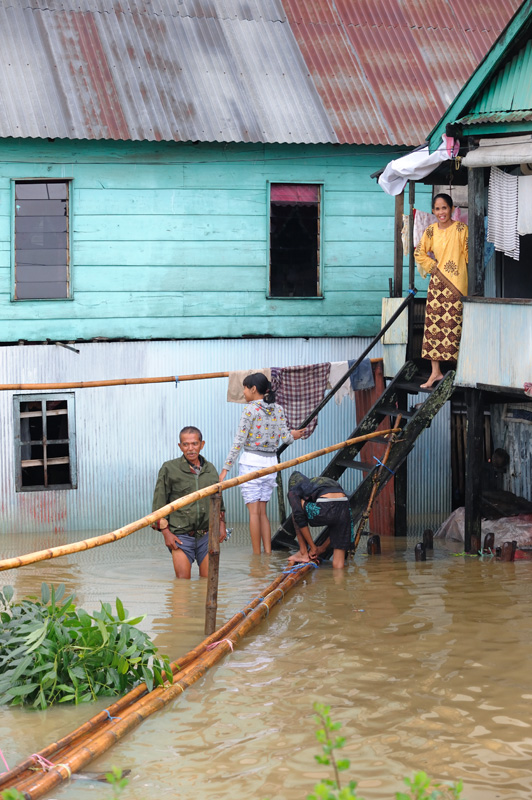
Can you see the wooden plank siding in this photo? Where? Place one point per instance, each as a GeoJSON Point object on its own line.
{"type": "Point", "coordinates": [171, 240]}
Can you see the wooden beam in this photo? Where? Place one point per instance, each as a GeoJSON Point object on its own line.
{"type": "Point", "coordinates": [411, 261]}
{"type": "Point", "coordinates": [473, 469]}
{"type": "Point", "coordinates": [476, 213]}
{"type": "Point", "coordinates": [398, 246]}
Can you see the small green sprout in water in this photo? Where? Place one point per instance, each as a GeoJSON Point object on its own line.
{"type": "Point", "coordinates": [52, 652]}
{"type": "Point", "coordinates": [117, 781]}
{"type": "Point", "coordinates": [421, 787]}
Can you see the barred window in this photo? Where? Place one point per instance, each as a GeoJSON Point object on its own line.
{"type": "Point", "coordinates": [45, 442]}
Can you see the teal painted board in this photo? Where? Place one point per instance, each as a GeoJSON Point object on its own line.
{"type": "Point", "coordinates": [168, 227]}
{"type": "Point", "coordinates": [172, 327]}
{"type": "Point", "coordinates": [181, 233]}
{"type": "Point", "coordinates": [167, 279]}
{"type": "Point", "coordinates": [152, 304]}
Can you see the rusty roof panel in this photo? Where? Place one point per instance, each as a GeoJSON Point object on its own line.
{"type": "Point", "coordinates": [402, 62]}
{"type": "Point", "coordinates": [307, 71]}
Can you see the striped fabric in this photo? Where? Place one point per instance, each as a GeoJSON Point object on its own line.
{"type": "Point", "coordinates": [502, 212]}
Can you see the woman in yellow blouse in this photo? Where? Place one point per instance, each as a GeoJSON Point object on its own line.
{"type": "Point", "coordinates": [443, 254]}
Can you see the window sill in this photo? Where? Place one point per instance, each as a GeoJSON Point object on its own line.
{"type": "Point", "coordinates": [294, 297]}
{"type": "Point", "coordinates": [41, 299]}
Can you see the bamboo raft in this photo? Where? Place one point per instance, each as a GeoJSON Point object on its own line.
{"type": "Point", "coordinates": [79, 748]}
{"type": "Point", "coordinates": [149, 519]}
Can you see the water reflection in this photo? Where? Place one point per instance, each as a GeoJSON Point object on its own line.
{"type": "Point", "coordinates": [425, 664]}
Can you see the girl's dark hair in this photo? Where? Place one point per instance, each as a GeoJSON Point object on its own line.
{"type": "Point", "coordinates": [447, 197]}
{"type": "Point", "coordinates": [261, 384]}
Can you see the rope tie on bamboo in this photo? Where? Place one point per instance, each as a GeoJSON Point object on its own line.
{"type": "Point", "coordinates": [46, 765]}
{"type": "Point", "coordinates": [111, 719]}
{"type": "Point", "coordinates": [176, 380]}
{"type": "Point", "coordinates": [212, 645]}
{"type": "Point", "coordinates": [379, 462]}
{"type": "Point", "coordinates": [5, 762]}
{"type": "Point", "coordinates": [266, 606]}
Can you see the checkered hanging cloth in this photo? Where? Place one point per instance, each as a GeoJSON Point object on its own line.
{"type": "Point", "coordinates": [299, 390]}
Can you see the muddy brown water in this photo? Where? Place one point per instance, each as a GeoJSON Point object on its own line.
{"type": "Point", "coordinates": [426, 665]}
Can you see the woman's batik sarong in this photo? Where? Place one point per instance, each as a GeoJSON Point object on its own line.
{"type": "Point", "coordinates": [443, 320]}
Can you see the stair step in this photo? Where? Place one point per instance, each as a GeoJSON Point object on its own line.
{"type": "Point", "coordinates": [412, 387]}
{"type": "Point", "coordinates": [389, 411]}
{"type": "Point", "coordinates": [348, 463]}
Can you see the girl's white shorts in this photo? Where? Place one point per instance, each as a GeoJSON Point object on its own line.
{"type": "Point", "coordinates": [260, 488]}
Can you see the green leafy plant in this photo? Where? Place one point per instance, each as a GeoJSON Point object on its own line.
{"type": "Point", "coordinates": [117, 781]}
{"type": "Point", "coordinates": [52, 652]}
{"type": "Point", "coordinates": [421, 787]}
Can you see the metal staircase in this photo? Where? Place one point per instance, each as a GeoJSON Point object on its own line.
{"type": "Point", "coordinates": [391, 403]}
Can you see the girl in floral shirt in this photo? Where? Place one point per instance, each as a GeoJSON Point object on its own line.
{"type": "Point", "coordinates": [261, 430]}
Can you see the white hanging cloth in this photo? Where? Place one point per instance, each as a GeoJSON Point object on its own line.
{"type": "Point", "coordinates": [502, 212]}
{"type": "Point", "coordinates": [415, 165]}
{"type": "Point", "coordinates": [524, 213]}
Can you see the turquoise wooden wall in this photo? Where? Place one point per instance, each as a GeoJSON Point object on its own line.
{"type": "Point", "coordinates": [171, 240]}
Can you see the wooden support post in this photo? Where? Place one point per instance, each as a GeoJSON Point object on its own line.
{"type": "Point", "coordinates": [398, 246]}
{"type": "Point", "coordinates": [473, 468]}
{"type": "Point", "coordinates": [476, 270]}
{"type": "Point", "coordinates": [411, 261]}
{"type": "Point", "coordinates": [400, 483]}
{"type": "Point", "coordinates": [211, 603]}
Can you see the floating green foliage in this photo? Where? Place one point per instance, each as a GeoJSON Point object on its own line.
{"type": "Point", "coordinates": [52, 652]}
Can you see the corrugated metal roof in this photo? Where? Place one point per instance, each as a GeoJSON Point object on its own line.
{"type": "Point", "coordinates": [302, 71]}
{"type": "Point", "coordinates": [508, 96]}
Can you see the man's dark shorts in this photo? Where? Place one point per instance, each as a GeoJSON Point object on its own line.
{"type": "Point", "coordinates": [336, 516]}
{"type": "Point", "coordinates": [194, 548]}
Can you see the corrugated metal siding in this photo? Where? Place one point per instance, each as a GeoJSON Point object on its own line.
{"type": "Point", "coordinates": [508, 97]}
{"type": "Point", "coordinates": [505, 330]}
{"type": "Point", "coordinates": [125, 433]}
{"type": "Point", "coordinates": [238, 71]}
{"type": "Point", "coordinates": [516, 438]}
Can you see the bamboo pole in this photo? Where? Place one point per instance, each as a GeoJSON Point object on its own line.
{"type": "Point", "coordinates": [149, 519]}
{"type": "Point", "coordinates": [37, 784]}
{"type": "Point", "coordinates": [211, 600]}
{"type": "Point", "coordinates": [118, 381]}
{"type": "Point", "coordinates": [365, 516]}
{"type": "Point", "coordinates": [113, 382]}
{"type": "Point", "coordinates": [55, 749]}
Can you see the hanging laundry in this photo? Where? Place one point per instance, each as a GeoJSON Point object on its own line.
{"type": "Point", "coordinates": [528, 389]}
{"type": "Point", "coordinates": [405, 234]}
{"type": "Point", "coordinates": [299, 390]}
{"type": "Point", "coordinates": [339, 368]}
{"type": "Point", "coordinates": [524, 213]}
{"type": "Point", "coordinates": [235, 390]}
{"type": "Point", "coordinates": [502, 212]}
{"type": "Point", "coordinates": [362, 377]}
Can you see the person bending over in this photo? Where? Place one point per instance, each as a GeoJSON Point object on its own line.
{"type": "Point", "coordinates": [186, 531]}
{"type": "Point", "coordinates": [319, 502]}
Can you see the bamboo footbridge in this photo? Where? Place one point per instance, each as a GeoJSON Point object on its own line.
{"type": "Point", "coordinates": [41, 772]}
{"type": "Point", "coordinates": [77, 749]}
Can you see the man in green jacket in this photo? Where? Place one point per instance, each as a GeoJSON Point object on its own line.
{"type": "Point", "coordinates": [186, 531]}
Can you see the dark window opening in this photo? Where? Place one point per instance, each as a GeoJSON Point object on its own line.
{"type": "Point", "coordinates": [295, 240]}
{"type": "Point", "coordinates": [45, 442]}
{"type": "Point", "coordinates": [41, 240]}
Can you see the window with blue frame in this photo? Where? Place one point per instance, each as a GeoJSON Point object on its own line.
{"type": "Point", "coordinates": [41, 249]}
{"type": "Point", "coordinates": [45, 442]}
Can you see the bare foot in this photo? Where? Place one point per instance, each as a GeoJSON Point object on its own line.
{"type": "Point", "coordinates": [431, 381]}
{"type": "Point", "coordinates": [299, 558]}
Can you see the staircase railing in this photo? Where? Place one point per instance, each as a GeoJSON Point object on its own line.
{"type": "Point", "coordinates": [314, 413]}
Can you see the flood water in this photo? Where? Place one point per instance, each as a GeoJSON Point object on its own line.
{"type": "Point", "coordinates": [426, 665]}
